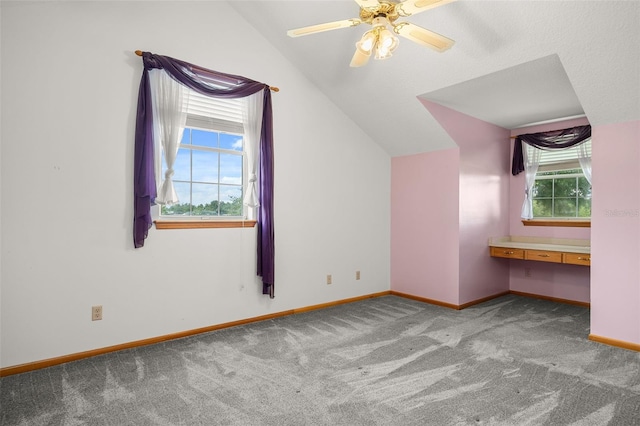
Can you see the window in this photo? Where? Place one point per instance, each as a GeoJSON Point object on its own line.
{"type": "Point", "coordinates": [561, 189]}
{"type": "Point", "coordinates": [562, 194]}
{"type": "Point", "coordinates": [208, 175]}
{"type": "Point", "coordinates": [210, 167]}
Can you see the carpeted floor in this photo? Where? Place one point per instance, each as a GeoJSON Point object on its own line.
{"type": "Point", "coordinates": [384, 361]}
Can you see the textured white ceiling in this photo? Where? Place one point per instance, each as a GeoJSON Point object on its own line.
{"type": "Point", "coordinates": [535, 91]}
{"type": "Point", "coordinates": [514, 62]}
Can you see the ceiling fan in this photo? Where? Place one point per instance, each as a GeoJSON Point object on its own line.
{"type": "Point", "coordinates": [380, 39]}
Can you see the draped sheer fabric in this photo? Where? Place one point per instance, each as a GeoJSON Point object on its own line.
{"type": "Point", "coordinates": [216, 84]}
{"type": "Point", "coordinates": [266, 235]}
{"type": "Point", "coordinates": [252, 127]}
{"type": "Point", "coordinates": [531, 163]}
{"type": "Point", "coordinates": [584, 158]}
{"type": "Point", "coordinates": [169, 118]}
{"type": "Point", "coordinates": [557, 139]}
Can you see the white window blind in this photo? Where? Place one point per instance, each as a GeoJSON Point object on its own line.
{"type": "Point", "coordinates": [560, 159]}
{"type": "Point", "coordinates": [211, 113]}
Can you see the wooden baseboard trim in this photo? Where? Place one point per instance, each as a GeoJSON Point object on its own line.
{"type": "Point", "coordinates": [340, 302]}
{"type": "Point", "coordinates": [484, 299]}
{"type": "Point", "coordinates": [615, 342]}
{"type": "Point", "coordinates": [426, 300]}
{"type": "Point", "coordinates": [448, 305]}
{"type": "Point", "coordinates": [31, 366]}
{"type": "Point", "coordinates": [552, 299]}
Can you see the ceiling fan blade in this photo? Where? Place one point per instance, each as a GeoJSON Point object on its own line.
{"type": "Point", "coordinates": [422, 36]}
{"type": "Point", "coordinates": [368, 4]}
{"type": "Point", "coordinates": [411, 7]}
{"type": "Point", "coordinates": [346, 23]}
{"type": "Point", "coordinates": [359, 59]}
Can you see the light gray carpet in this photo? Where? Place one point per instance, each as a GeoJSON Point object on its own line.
{"type": "Point", "coordinates": [383, 361]}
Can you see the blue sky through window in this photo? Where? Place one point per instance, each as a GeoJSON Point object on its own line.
{"type": "Point", "coordinates": [215, 175]}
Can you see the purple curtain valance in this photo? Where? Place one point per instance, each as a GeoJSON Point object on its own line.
{"type": "Point", "coordinates": [214, 84]}
{"type": "Point", "coordinates": [202, 80]}
{"type": "Point", "coordinates": [557, 139]}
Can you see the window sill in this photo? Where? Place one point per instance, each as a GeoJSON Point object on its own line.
{"type": "Point", "coordinates": [202, 224]}
{"type": "Point", "coordinates": [569, 223]}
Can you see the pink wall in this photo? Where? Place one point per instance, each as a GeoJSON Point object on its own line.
{"type": "Point", "coordinates": [615, 235]}
{"type": "Point", "coordinates": [484, 194]}
{"type": "Point", "coordinates": [434, 252]}
{"type": "Point", "coordinates": [445, 205]}
{"type": "Point", "coordinates": [546, 279]}
{"type": "Point", "coordinates": [424, 225]}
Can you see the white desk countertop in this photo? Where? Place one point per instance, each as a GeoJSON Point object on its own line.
{"type": "Point", "coordinates": [538, 243]}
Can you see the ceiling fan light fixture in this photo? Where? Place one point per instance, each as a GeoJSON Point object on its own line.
{"type": "Point", "coordinates": [387, 41]}
{"type": "Point", "coordinates": [379, 40]}
{"type": "Point", "coordinates": [368, 42]}
{"type": "Point", "coordinates": [382, 53]}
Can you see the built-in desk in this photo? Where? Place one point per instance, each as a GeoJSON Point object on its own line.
{"type": "Point", "coordinates": [555, 250]}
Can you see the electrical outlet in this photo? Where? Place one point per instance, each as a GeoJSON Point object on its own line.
{"type": "Point", "coordinates": [96, 313]}
{"type": "Point", "coordinates": [527, 272]}
{"type": "Point", "coordinates": [357, 275]}
{"type": "Point", "coordinates": [329, 280]}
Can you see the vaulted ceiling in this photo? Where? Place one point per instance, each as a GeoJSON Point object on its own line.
{"type": "Point", "coordinates": [514, 63]}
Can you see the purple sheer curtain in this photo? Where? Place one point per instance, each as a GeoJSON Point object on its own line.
{"type": "Point", "coordinates": [266, 238]}
{"type": "Point", "coordinates": [215, 84]}
{"type": "Point", "coordinates": [144, 185]}
{"type": "Point", "coordinates": [556, 139]}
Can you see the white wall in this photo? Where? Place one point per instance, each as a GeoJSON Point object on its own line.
{"type": "Point", "coordinates": [70, 81]}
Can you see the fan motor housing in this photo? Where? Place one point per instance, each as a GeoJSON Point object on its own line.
{"type": "Point", "coordinates": [385, 8]}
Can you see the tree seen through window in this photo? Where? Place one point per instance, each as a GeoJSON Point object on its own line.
{"type": "Point", "coordinates": [562, 194]}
